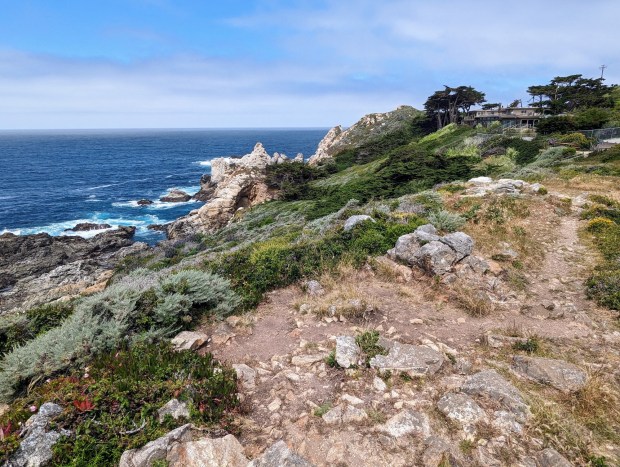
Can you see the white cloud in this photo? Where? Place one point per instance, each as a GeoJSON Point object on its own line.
{"type": "Point", "coordinates": [334, 63]}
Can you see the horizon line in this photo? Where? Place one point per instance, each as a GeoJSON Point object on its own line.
{"type": "Point", "coordinates": [168, 128]}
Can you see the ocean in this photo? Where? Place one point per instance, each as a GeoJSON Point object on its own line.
{"type": "Point", "coordinates": [52, 180]}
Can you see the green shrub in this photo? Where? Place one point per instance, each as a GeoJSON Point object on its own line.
{"type": "Point", "coordinates": [368, 342]}
{"type": "Point", "coordinates": [18, 329]}
{"type": "Point", "coordinates": [527, 151]}
{"type": "Point", "coordinates": [446, 221]}
{"type": "Point", "coordinates": [267, 265]}
{"type": "Point", "coordinates": [552, 125]}
{"type": "Point", "coordinates": [292, 178]}
{"type": "Point", "coordinates": [121, 393]}
{"type": "Point", "coordinates": [577, 140]}
{"type": "Point", "coordinates": [139, 308]}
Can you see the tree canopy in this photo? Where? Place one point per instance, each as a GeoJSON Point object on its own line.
{"type": "Point", "coordinates": [569, 93]}
{"type": "Point", "coordinates": [449, 105]}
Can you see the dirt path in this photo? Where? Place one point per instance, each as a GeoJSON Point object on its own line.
{"type": "Point", "coordinates": [287, 349]}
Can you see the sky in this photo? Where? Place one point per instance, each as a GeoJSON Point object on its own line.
{"type": "Point", "coordinates": [277, 63]}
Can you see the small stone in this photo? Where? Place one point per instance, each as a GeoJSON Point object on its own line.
{"type": "Point", "coordinates": [348, 353]}
{"type": "Point", "coordinates": [407, 422]}
{"type": "Point", "coordinates": [379, 384]}
{"type": "Point", "coordinates": [416, 321]}
{"type": "Point", "coordinates": [351, 399]}
{"type": "Point", "coordinates": [314, 288]}
{"type": "Point", "coordinates": [275, 405]}
{"type": "Point", "coordinates": [246, 375]}
{"type": "Point", "coordinates": [189, 340]}
{"type": "Point", "coordinates": [174, 408]}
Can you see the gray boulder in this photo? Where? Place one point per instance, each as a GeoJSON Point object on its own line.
{"type": "Point", "coordinates": [407, 422]}
{"type": "Point", "coordinates": [415, 360]}
{"type": "Point", "coordinates": [406, 248]}
{"type": "Point", "coordinates": [354, 220]}
{"type": "Point", "coordinates": [426, 233]}
{"type": "Point", "coordinates": [436, 258]}
{"type": "Point", "coordinates": [36, 447]}
{"type": "Point", "coordinates": [461, 408]}
{"type": "Point", "coordinates": [562, 375]}
{"type": "Point", "coordinates": [245, 374]}
{"type": "Point", "coordinates": [313, 288]}
{"type": "Point", "coordinates": [348, 352]}
{"type": "Point", "coordinates": [155, 450]}
{"type": "Point", "coordinates": [344, 414]}
{"type": "Point", "coordinates": [460, 242]}
{"type": "Point", "coordinates": [551, 458]}
{"type": "Point", "coordinates": [279, 455]}
{"type": "Point", "coordinates": [175, 196]}
{"type": "Point", "coordinates": [489, 383]}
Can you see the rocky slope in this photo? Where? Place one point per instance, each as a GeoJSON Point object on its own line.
{"type": "Point", "coordinates": [40, 268]}
{"type": "Point", "coordinates": [369, 127]}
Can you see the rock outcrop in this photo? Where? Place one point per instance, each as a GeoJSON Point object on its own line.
{"type": "Point", "coordinates": [235, 183]}
{"type": "Point", "coordinates": [175, 196]}
{"type": "Point", "coordinates": [40, 268]}
{"type": "Point", "coordinates": [87, 227]}
{"type": "Point", "coordinates": [437, 255]}
{"type": "Point", "coordinates": [563, 376]}
{"type": "Point", "coordinates": [368, 128]}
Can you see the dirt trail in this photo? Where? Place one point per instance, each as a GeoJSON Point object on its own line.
{"type": "Point", "coordinates": [287, 391]}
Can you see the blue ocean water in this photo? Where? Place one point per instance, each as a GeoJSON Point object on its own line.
{"type": "Point", "coordinates": [52, 180]}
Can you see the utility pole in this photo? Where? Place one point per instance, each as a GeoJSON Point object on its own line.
{"type": "Point", "coordinates": [602, 67]}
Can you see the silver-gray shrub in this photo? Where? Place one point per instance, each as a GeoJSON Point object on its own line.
{"type": "Point", "coordinates": [137, 308]}
{"type": "Point", "coordinates": [446, 220]}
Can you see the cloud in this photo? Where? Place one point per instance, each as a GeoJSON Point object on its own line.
{"type": "Point", "coordinates": [318, 63]}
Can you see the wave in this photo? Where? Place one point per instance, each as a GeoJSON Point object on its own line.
{"type": "Point", "coordinates": [157, 205]}
{"type": "Point", "coordinates": [59, 228]}
{"type": "Point", "coordinates": [204, 163]}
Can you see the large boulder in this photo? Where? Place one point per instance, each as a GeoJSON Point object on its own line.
{"type": "Point", "coordinates": [208, 452]}
{"type": "Point", "coordinates": [461, 243]}
{"type": "Point", "coordinates": [436, 258]}
{"type": "Point", "coordinates": [156, 450]}
{"type": "Point", "coordinates": [175, 196]}
{"type": "Point", "coordinates": [415, 360]}
{"type": "Point", "coordinates": [490, 384]}
{"type": "Point", "coordinates": [461, 408]}
{"type": "Point", "coordinates": [562, 375]}
{"type": "Point", "coordinates": [35, 449]}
